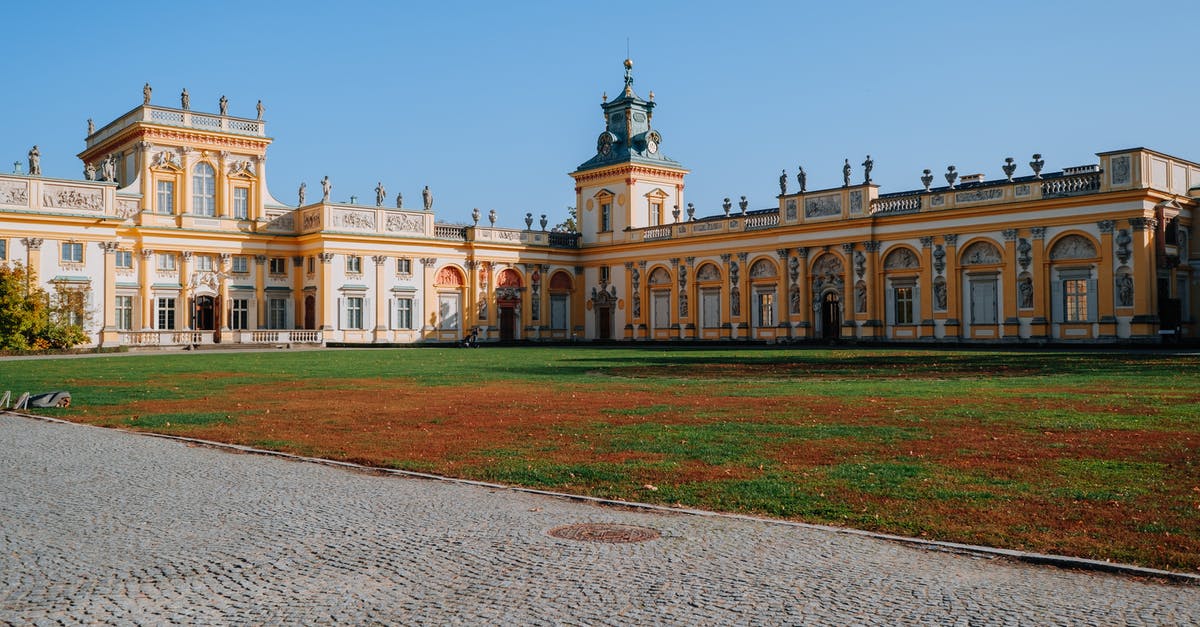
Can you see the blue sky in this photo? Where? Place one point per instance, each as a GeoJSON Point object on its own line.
{"type": "Point", "coordinates": [491, 104]}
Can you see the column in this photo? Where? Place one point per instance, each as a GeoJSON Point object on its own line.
{"type": "Point", "coordinates": [643, 292]}
{"type": "Point", "coordinates": [927, 295]}
{"type": "Point", "coordinates": [1008, 286]}
{"type": "Point", "coordinates": [875, 291]}
{"type": "Point", "coordinates": [147, 294]}
{"type": "Point", "coordinates": [1145, 282]}
{"type": "Point", "coordinates": [741, 313]}
{"type": "Point", "coordinates": [954, 296]}
{"type": "Point", "coordinates": [108, 332]}
{"type": "Point", "coordinates": [676, 331]}
{"type": "Point", "coordinates": [430, 317]}
{"type": "Point", "coordinates": [260, 285]}
{"type": "Point", "coordinates": [805, 293]}
{"type": "Point", "coordinates": [185, 293]}
{"type": "Point", "coordinates": [184, 203]}
{"type": "Point", "coordinates": [222, 196]}
{"type": "Point", "coordinates": [381, 300]}
{"type": "Point", "coordinates": [849, 292]}
{"type": "Point", "coordinates": [148, 189]}
{"type": "Point", "coordinates": [690, 299]}
{"type": "Point", "coordinates": [1104, 282]}
{"type": "Point", "coordinates": [257, 202]}
{"type": "Point", "coordinates": [326, 299]}
{"type": "Point", "coordinates": [631, 287]}
{"type": "Point", "coordinates": [224, 259]}
{"type": "Point", "coordinates": [578, 304]}
{"type": "Point", "coordinates": [33, 260]}
{"type": "Point", "coordinates": [783, 307]}
{"type": "Point", "coordinates": [1040, 270]}
{"type": "Point", "coordinates": [471, 300]}
{"type": "Point", "coordinates": [297, 289]}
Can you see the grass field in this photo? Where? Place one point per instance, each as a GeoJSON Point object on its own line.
{"type": "Point", "coordinates": [1086, 454]}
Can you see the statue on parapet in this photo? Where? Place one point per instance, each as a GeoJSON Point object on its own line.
{"type": "Point", "coordinates": [867, 165]}
{"type": "Point", "coordinates": [802, 179]}
{"type": "Point", "coordinates": [427, 196]}
{"type": "Point", "coordinates": [326, 186]}
{"type": "Point", "coordinates": [846, 174]}
{"type": "Point", "coordinates": [259, 107]}
{"type": "Point", "coordinates": [399, 200]}
{"type": "Point", "coordinates": [89, 172]}
{"type": "Point", "coordinates": [783, 182]}
{"type": "Point", "coordinates": [185, 101]}
{"type": "Point", "coordinates": [300, 193]}
{"type": "Point", "coordinates": [223, 104]}
{"type": "Point", "coordinates": [146, 94]}
{"type": "Point", "coordinates": [91, 127]}
{"type": "Point", "coordinates": [35, 161]}
{"type": "Point", "coordinates": [380, 194]}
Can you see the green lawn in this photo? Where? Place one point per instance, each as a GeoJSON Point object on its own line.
{"type": "Point", "coordinates": [1084, 453]}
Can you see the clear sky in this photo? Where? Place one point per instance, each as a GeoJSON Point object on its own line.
{"type": "Point", "coordinates": [491, 104]}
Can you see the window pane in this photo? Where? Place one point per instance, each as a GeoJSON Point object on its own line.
{"type": "Point", "coordinates": [204, 190]}
{"type": "Point", "coordinates": [241, 203]}
{"type": "Point", "coordinates": [166, 197]}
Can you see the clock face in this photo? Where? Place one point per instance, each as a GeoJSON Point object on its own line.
{"type": "Point", "coordinates": [604, 143]}
{"type": "Point", "coordinates": [652, 146]}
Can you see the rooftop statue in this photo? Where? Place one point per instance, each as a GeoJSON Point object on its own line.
{"type": "Point", "coordinates": [260, 109]}
{"type": "Point", "coordinates": [399, 200]}
{"type": "Point", "coordinates": [380, 194]}
{"type": "Point", "coordinates": [185, 101]}
{"type": "Point", "coordinates": [91, 127]}
{"type": "Point", "coordinates": [802, 179]}
{"type": "Point", "coordinates": [146, 94]}
{"type": "Point", "coordinates": [846, 174]}
{"type": "Point", "coordinates": [35, 162]}
{"type": "Point", "coordinates": [223, 103]}
{"type": "Point", "coordinates": [300, 193]}
{"type": "Point", "coordinates": [427, 196]}
{"type": "Point", "coordinates": [782, 182]}
{"type": "Point", "coordinates": [325, 187]}
{"type": "Point", "coordinates": [867, 165]}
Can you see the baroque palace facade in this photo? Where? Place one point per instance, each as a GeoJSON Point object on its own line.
{"type": "Point", "coordinates": [173, 239]}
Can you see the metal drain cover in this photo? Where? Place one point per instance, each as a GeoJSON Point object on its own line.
{"type": "Point", "coordinates": [604, 532]}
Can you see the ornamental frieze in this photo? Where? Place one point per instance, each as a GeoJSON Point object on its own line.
{"type": "Point", "coordinates": [14, 193]}
{"type": "Point", "coordinates": [350, 219]}
{"type": "Point", "coordinates": [64, 197]}
{"type": "Point", "coordinates": [405, 223]}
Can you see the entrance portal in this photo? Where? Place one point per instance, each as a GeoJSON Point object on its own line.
{"type": "Point", "coordinates": [604, 323]}
{"type": "Point", "coordinates": [831, 316]}
{"type": "Point", "coordinates": [203, 315]}
{"type": "Point", "coordinates": [310, 312]}
{"type": "Point", "coordinates": [508, 322]}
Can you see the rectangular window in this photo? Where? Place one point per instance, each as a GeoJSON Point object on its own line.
{"type": "Point", "coordinates": [354, 312]}
{"type": "Point", "coordinates": [204, 263]}
{"type": "Point", "coordinates": [277, 265]}
{"type": "Point", "coordinates": [166, 313]}
{"type": "Point", "coordinates": [312, 265]}
{"type": "Point", "coordinates": [903, 302]}
{"type": "Point", "coordinates": [239, 314]}
{"type": "Point", "coordinates": [606, 216]}
{"type": "Point", "coordinates": [655, 213]}
{"type": "Point", "coordinates": [241, 203]}
{"type": "Point", "coordinates": [277, 313]}
{"type": "Point", "coordinates": [353, 264]}
{"type": "Point", "coordinates": [166, 197]}
{"type": "Point", "coordinates": [403, 265]}
{"type": "Point", "coordinates": [124, 259]}
{"type": "Point", "coordinates": [124, 313]}
{"type": "Point", "coordinates": [983, 301]}
{"type": "Point", "coordinates": [558, 312]}
{"type": "Point", "coordinates": [1075, 293]}
{"type": "Point", "coordinates": [3, 249]}
{"type": "Point", "coordinates": [74, 303]}
{"type": "Point", "coordinates": [710, 309]}
{"type": "Point", "coordinates": [72, 252]}
{"type": "Point", "coordinates": [766, 309]}
{"type": "Point", "coordinates": [661, 312]}
{"type": "Point", "coordinates": [404, 312]}
{"type": "Point", "coordinates": [604, 274]}
{"type": "Point", "coordinates": [241, 264]}
{"type": "Point", "coordinates": [166, 261]}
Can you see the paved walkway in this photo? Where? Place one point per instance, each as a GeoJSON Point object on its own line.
{"type": "Point", "coordinates": [99, 526]}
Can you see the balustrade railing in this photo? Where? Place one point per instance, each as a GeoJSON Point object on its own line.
{"type": "Point", "coordinates": [901, 204]}
{"type": "Point", "coordinates": [449, 231]}
{"type": "Point", "coordinates": [761, 221]}
{"type": "Point", "coordinates": [563, 240]}
{"type": "Point", "coordinates": [1067, 185]}
{"type": "Point", "coordinates": [656, 232]}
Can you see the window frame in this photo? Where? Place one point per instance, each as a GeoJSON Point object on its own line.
{"type": "Point", "coordinates": [354, 264]}
{"type": "Point", "coordinates": [1075, 300]}
{"type": "Point", "coordinates": [166, 262]}
{"type": "Point", "coordinates": [239, 314]}
{"type": "Point", "coordinates": [123, 311]}
{"type": "Point", "coordinates": [241, 206]}
{"type": "Point", "coordinates": [76, 256]}
{"type": "Point", "coordinates": [204, 190]}
{"type": "Point", "coordinates": [164, 313]}
{"type": "Point", "coordinates": [277, 266]}
{"type": "Point", "coordinates": [354, 313]}
{"type": "Point", "coordinates": [403, 265]}
{"type": "Point", "coordinates": [404, 312]}
{"type": "Point", "coordinates": [164, 194]}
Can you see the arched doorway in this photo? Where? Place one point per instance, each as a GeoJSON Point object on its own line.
{"type": "Point", "coordinates": [831, 316]}
{"type": "Point", "coordinates": [310, 312]}
{"type": "Point", "coordinates": [204, 314]}
{"type": "Point", "coordinates": [508, 303]}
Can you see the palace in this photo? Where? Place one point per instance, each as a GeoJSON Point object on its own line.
{"type": "Point", "coordinates": [174, 239]}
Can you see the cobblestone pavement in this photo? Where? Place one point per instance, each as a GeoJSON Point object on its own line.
{"type": "Point", "coordinates": [99, 526]}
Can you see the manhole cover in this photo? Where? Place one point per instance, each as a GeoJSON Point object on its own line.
{"type": "Point", "coordinates": [604, 532]}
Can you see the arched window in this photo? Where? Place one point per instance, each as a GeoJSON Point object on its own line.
{"type": "Point", "coordinates": [204, 190]}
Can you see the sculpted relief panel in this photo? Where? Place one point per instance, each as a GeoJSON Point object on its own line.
{"type": "Point", "coordinates": [981, 253]}
{"type": "Point", "coordinates": [405, 223]}
{"type": "Point", "coordinates": [1073, 247]}
{"type": "Point", "coordinates": [823, 206]}
{"type": "Point", "coordinates": [14, 193]}
{"type": "Point", "coordinates": [358, 220]}
{"type": "Point", "coordinates": [64, 197]}
{"type": "Point", "coordinates": [901, 258]}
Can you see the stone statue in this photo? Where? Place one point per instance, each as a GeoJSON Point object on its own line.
{"type": "Point", "coordinates": [300, 193]}
{"type": "Point", "coordinates": [89, 172]}
{"type": "Point", "coordinates": [35, 161]}
{"type": "Point", "coordinates": [783, 182]}
{"type": "Point", "coordinates": [939, 295]}
{"type": "Point", "coordinates": [185, 101]}
{"type": "Point", "coordinates": [427, 197]}
{"type": "Point", "coordinates": [325, 187]}
{"type": "Point", "coordinates": [867, 165]}
{"type": "Point", "coordinates": [146, 94]}
{"type": "Point", "coordinates": [109, 168]}
{"type": "Point", "coordinates": [399, 200]}
{"type": "Point", "coordinates": [1125, 290]}
{"type": "Point", "coordinates": [380, 194]}
{"type": "Point", "coordinates": [860, 298]}
{"type": "Point", "coordinates": [802, 179]}
{"type": "Point", "coordinates": [846, 174]}
{"type": "Point", "coordinates": [1025, 293]}
{"type": "Point", "coordinates": [223, 103]}
{"type": "Point", "coordinates": [91, 127]}
{"type": "Point", "coordinates": [260, 108]}
{"type": "Point", "coordinates": [794, 300]}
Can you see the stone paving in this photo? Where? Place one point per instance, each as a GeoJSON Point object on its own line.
{"type": "Point", "coordinates": [100, 526]}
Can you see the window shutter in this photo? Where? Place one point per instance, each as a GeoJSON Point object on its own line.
{"type": "Point", "coordinates": [368, 314]}
{"type": "Point", "coordinates": [916, 315]}
{"type": "Point", "coordinates": [341, 311]}
{"type": "Point", "coordinates": [1056, 301]}
{"type": "Point", "coordinates": [890, 309]}
{"type": "Point", "coordinates": [1092, 297]}
{"type": "Point", "coordinates": [391, 309]}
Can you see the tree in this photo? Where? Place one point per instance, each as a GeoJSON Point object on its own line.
{"type": "Point", "coordinates": [31, 320]}
{"type": "Point", "coordinates": [570, 225]}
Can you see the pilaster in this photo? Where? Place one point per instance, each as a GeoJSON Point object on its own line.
{"type": "Point", "coordinates": [804, 294]}
{"type": "Point", "coordinates": [147, 294]}
{"type": "Point", "coordinates": [1012, 324]}
{"type": "Point", "coordinates": [928, 274]}
{"type": "Point", "coordinates": [1106, 305]}
{"type": "Point", "coordinates": [109, 335]}
{"type": "Point", "coordinates": [954, 294]}
{"type": "Point", "coordinates": [1040, 269]}
{"type": "Point", "coordinates": [223, 261]}
{"type": "Point", "coordinates": [873, 275]}
{"type": "Point", "coordinates": [260, 286]}
{"type": "Point", "coordinates": [1145, 304]}
{"type": "Point", "coordinates": [326, 312]}
{"type": "Point", "coordinates": [381, 301]}
{"type": "Point", "coordinates": [185, 292]}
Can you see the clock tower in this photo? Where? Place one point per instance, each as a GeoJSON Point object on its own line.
{"type": "Point", "coordinates": [629, 183]}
